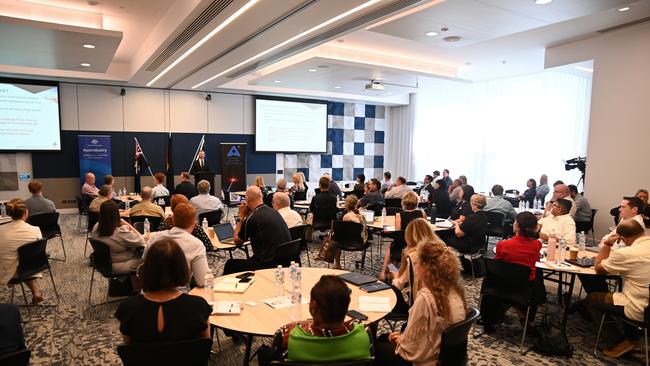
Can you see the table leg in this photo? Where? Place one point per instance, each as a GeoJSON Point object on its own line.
{"type": "Point", "coordinates": [568, 299]}
{"type": "Point", "coordinates": [249, 346]}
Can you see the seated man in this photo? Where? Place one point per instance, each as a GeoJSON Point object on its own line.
{"type": "Point", "coordinates": [500, 205]}
{"type": "Point", "coordinates": [470, 234]}
{"type": "Point", "coordinates": [644, 210]}
{"type": "Point", "coordinates": [104, 195]}
{"type": "Point", "coordinates": [560, 191]}
{"type": "Point", "coordinates": [428, 187]}
{"type": "Point", "coordinates": [204, 202]}
{"type": "Point", "coordinates": [281, 204]}
{"type": "Point", "coordinates": [181, 233]}
{"type": "Point", "coordinates": [373, 197]}
{"type": "Point", "coordinates": [159, 189]}
{"type": "Point", "coordinates": [109, 180]}
{"type": "Point", "coordinates": [358, 185]}
{"type": "Point", "coordinates": [185, 187]}
{"type": "Point", "coordinates": [89, 188]}
{"type": "Point", "coordinates": [37, 204]}
{"type": "Point", "coordinates": [323, 206]}
{"type": "Point", "coordinates": [265, 229]}
{"type": "Point", "coordinates": [583, 209]}
{"type": "Point", "coordinates": [632, 263]}
{"type": "Point", "coordinates": [333, 188]}
{"type": "Point", "coordinates": [328, 337]}
{"type": "Point", "coordinates": [398, 190]}
{"type": "Point", "coordinates": [280, 186]}
{"type": "Point", "coordinates": [559, 222]}
{"type": "Point", "coordinates": [146, 207]}
{"type": "Point", "coordinates": [387, 184]}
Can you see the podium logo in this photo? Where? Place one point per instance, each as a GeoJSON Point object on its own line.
{"type": "Point", "coordinates": [233, 152]}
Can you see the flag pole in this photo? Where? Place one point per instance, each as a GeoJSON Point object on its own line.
{"type": "Point", "coordinates": [144, 156]}
{"type": "Point", "coordinates": [197, 152]}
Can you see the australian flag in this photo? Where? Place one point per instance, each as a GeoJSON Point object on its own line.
{"type": "Point", "coordinates": [140, 164]}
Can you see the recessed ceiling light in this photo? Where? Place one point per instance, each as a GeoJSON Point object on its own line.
{"type": "Point", "coordinates": [337, 87]}
{"type": "Point", "coordinates": [312, 70]}
{"type": "Point", "coordinates": [543, 2]}
{"type": "Point", "coordinates": [582, 68]}
{"type": "Point", "coordinates": [277, 81]}
{"type": "Point", "coordinates": [85, 64]}
{"type": "Point", "coordinates": [431, 34]}
{"type": "Point", "coordinates": [625, 8]}
{"type": "Point", "coordinates": [88, 45]}
{"type": "Point", "coordinates": [452, 39]}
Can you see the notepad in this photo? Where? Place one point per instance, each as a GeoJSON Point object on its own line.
{"type": "Point", "coordinates": [232, 285]}
{"type": "Point", "coordinates": [283, 302]}
{"type": "Point", "coordinates": [226, 308]}
{"type": "Point", "coordinates": [377, 304]}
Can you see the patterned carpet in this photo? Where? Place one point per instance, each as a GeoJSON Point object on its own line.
{"type": "Point", "coordinates": [74, 334]}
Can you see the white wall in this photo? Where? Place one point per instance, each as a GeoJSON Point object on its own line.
{"type": "Point", "coordinates": [619, 127]}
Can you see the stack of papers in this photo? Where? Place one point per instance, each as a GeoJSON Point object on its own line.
{"type": "Point", "coordinates": [226, 307]}
{"type": "Point", "coordinates": [283, 302]}
{"type": "Point", "coordinates": [232, 285]}
{"type": "Point", "coordinates": [376, 304]}
{"type": "Point", "coordinates": [564, 266]}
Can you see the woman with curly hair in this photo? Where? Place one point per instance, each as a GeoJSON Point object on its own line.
{"type": "Point", "coordinates": [439, 303]}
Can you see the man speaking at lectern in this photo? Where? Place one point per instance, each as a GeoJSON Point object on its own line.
{"type": "Point", "coordinates": [200, 165]}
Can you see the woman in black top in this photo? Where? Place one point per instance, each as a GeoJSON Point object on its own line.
{"type": "Point", "coordinates": [470, 234]}
{"type": "Point", "coordinates": [441, 198]}
{"type": "Point", "coordinates": [529, 194]}
{"type": "Point", "coordinates": [463, 209]}
{"type": "Point", "coordinates": [164, 313]}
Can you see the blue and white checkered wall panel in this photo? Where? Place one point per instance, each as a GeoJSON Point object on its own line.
{"type": "Point", "coordinates": [355, 145]}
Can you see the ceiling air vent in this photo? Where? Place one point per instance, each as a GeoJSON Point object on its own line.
{"type": "Point", "coordinates": [211, 12]}
{"type": "Point", "coordinates": [624, 25]}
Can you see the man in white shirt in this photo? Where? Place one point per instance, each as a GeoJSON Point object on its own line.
{"type": "Point", "coordinates": [398, 190]}
{"type": "Point", "coordinates": [387, 183]}
{"type": "Point", "coordinates": [281, 204]}
{"type": "Point", "coordinates": [558, 222]}
{"type": "Point", "coordinates": [560, 191]}
{"type": "Point", "coordinates": [204, 202]}
{"type": "Point", "coordinates": [89, 188]}
{"type": "Point", "coordinates": [632, 263]}
{"type": "Point", "coordinates": [181, 233]}
{"type": "Point", "coordinates": [500, 205]}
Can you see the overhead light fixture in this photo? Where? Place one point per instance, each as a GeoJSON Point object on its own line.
{"type": "Point", "coordinates": [337, 87]}
{"type": "Point", "coordinates": [85, 64]}
{"type": "Point", "coordinates": [277, 81]}
{"type": "Point", "coordinates": [582, 68]}
{"type": "Point", "coordinates": [625, 8]}
{"type": "Point", "coordinates": [207, 37]}
{"type": "Point", "coordinates": [431, 34]}
{"type": "Point", "coordinates": [543, 2]}
{"type": "Point", "coordinates": [88, 45]}
{"type": "Point", "coordinates": [298, 36]}
{"type": "Point", "coordinates": [452, 39]}
{"type": "Point", "coordinates": [312, 70]}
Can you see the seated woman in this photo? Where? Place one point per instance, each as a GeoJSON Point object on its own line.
{"type": "Point", "coordinates": [402, 219]}
{"type": "Point", "coordinates": [14, 235]}
{"type": "Point", "coordinates": [441, 198]}
{"type": "Point", "coordinates": [463, 208]}
{"type": "Point", "coordinates": [454, 191]}
{"type": "Point", "coordinates": [439, 303]}
{"type": "Point", "coordinates": [351, 214]}
{"type": "Point", "coordinates": [259, 182]}
{"type": "Point", "coordinates": [530, 193]}
{"type": "Point", "coordinates": [298, 187]}
{"type": "Point", "coordinates": [123, 240]}
{"type": "Point", "coordinates": [469, 234]}
{"type": "Point", "coordinates": [163, 313]}
{"type": "Point", "coordinates": [198, 231]}
{"type": "Point", "coordinates": [522, 249]}
{"type": "Point", "coordinates": [416, 232]}
{"type": "Point", "coordinates": [326, 338]}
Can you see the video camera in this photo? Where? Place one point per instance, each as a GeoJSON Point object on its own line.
{"type": "Point", "coordinates": [579, 162]}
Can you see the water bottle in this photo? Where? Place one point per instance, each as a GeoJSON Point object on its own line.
{"type": "Point", "coordinates": [296, 297]}
{"type": "Point", "coordinates": [204, 224]}
{"type": "Point", "coordinates": [292, 272]}
{"type": "Point", "coordinates": [434, 213]}
{"type": "Point", "coordinates": [562, 251]}
{"type": "Point", "coordinates": [279, 281]}
{"type": "Point", "coordinates": [383, 216]}
{"type": "Point", "coordinates": [551, 248]}
{"type": "Point", "coordinates": [3, 209]}
{"type": "Point", "coordinates": [526, 205]}
{"type": "Point", "coordinates": [147, 226]}
{"type": "Point", "coordinates": [582, 241]}
{"type": "Point", "coordinates": [127, 205]}
{"type": "Point", "coordinates": [209, 285]}
{"type": "Point", "coordinates": [233, 222]}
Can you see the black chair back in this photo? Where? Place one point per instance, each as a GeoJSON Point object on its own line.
{"type": "Point", "coordinates": [323, 217]}
{"type": "Point", "coordinates": [18, 358]}
{"type": "Point", "coordinates": [102, 258]}
{"type": "Point", "coordinates": [93, 218]}
{"type": "Point", "coordinates": [316, 190]}
{"type": "Point", "coordinates": [81, 204]}
{"type": "Point", "coordinates": [192, 353]}
{"type": "Point", "coordinates": [348, 234]}
{"type": "Point", "coordinates": [358, 193]}
{"type": "Point", "coordinates": [139, 226]}
{"type": "Point", "coordinates": [287, 252]}
{"type": "Point", "coordinates": [391, 211]}
{"type": "Point", "coordinates": [453, 345]}
{"type": "Point", "coordinates": [300, 196]}
{"type": "Point", "coordinates": [376, 208]}
{"type": "Point", "coordinates": [494, 218]}
{"type": "Point", "coordinates": [154, 221]}
{"type": "Point", "coordinates": [507, 281]}
{"type": "Point", "coordinates": [47, 222]}
{"type": "Point", "coordinates": [393, 202]}
{"type": "Point", "coordinates": [86, 200]}
{"type": "Point", "coordinates": [298, 232]}
{"type": "Point", "coordinates": [337, 363]}
{"type": "Point", "coordinates": [214, 217]}
{"type": "Point", "coordinates": [32, 259]}
{"type": "Point", "coordinates": [162, 201]}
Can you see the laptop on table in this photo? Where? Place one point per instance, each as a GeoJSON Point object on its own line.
{"type": "Point", "coordinates": [224, 233]}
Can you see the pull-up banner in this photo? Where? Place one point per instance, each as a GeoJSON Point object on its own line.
{"type": "Point", "coordinates": [94, 156]}
{"type": "Point", "coordinates": [233, 167]}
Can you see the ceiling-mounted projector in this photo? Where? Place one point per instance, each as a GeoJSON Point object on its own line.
{"type": "Point", "coordinates": [375, 85]}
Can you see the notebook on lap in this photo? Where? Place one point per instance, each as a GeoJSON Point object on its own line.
{"type": "Point", "coordinates": [356, 278]}
{"type": "Point", "coordinates": [224, 233]}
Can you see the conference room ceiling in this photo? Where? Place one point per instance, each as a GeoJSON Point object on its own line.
{"type": "Point", "coordinates": [164, 44]}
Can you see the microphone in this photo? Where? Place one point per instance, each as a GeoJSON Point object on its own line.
{"type": "Point", "coordinates": [232, 180]}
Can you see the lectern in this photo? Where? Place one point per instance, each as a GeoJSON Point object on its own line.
{"type": "Point", "coordinates": [209, 176]}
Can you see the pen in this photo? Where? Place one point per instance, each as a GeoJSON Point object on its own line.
{"type": "Point", "coordinates": [230, 309]}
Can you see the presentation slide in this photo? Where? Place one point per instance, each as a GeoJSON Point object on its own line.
{"type": "Point", "coordinates": [29, 117]}
{"type": "Point", "coordinates": [286, 126]}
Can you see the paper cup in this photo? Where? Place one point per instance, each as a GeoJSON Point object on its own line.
{"type": "Point", "coordinates": [573, 253]}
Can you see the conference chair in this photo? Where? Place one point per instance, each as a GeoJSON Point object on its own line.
{"type": "Point", "coordinates": [93, 218]}
{"type": "Point", "coordinates": [49, 225]}
{"type": "Point", "coordinates": [496, 225]}
{"type": "Point", "coordinates": [214, 217]}
{"type": "Point", "coordinates": [376, 208]}
{"type": "Point", "coordinates": [453, 345]}
{"type": "Point", "coordinates": [391, 211]}
{"type": "Point", "coordinates": [335, 363]}
{"type": "Point", "coordinates": [162, 201]}
{"type": "Point", "coordinates": [228, 203]}
{"type": "Point", "coordinates": [298, 232]}
{"type": "Point", "coordinates": [103, 264]}
{"type": "Point", "coordinates": [194, 352]}
{"type": "Point", "coordinates": [18, 358]}
{"type": "Point", "coordinates": [588, 226]}
{"type": "Point", "coordinates": [287, 252]}
{"type": "Point", "coordinates": [393, 202]}
{"type": "Point", "coordinates": [154, 222]}
{"type": "Point", "coordinates": [32, 260]}
{"type": "Point", "coordinates": [348, 236]}
{"type": "Point", "coordinates": [508, 282]}
{"type": "Point", "coordinates": [300, 196]}
{"type": "Point", "coordinates": [619, 315]}
{"type": "Point", "coordinates": [82, 210]}
{"type": "Point", "coordinates": [323, 217]}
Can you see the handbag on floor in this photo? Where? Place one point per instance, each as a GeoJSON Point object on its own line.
{"type": "Point", "coordinates": [328, 249]}
{"type": "Point", "coordinates": [551, 342]}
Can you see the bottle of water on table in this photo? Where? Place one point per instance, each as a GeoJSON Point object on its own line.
{"type": "Point", "coordinates": [582, 241]}
{"type": "Point", "coordinates": [279, 281]}
{"type": "Point", "coordinates": [296, 296]}
{"type": "Point", "coordinates": [147, 226]}
{"type": "Point", "coordinates": [3, 209]}
{"type": "Point", "coordinates": [383, 216]}
{"type": "Point", "coordinates": [209, 285]}
{"type": "Point", "coordinates": [562, 255]}
{"type": "Point", "coordinates": [204, 224]}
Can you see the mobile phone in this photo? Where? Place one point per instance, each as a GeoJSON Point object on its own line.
{"type": "Point", "coordinates": [356, 315]}
{"type": "Point", "coordinates": [245, 280]}
{"type": "Point", "coordinates": [392, 267]}
{"type": "Point", "coordinates": [245, 275]}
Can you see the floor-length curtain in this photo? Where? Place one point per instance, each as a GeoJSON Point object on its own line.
{"type": "Point", "coordinates": [400, 126]}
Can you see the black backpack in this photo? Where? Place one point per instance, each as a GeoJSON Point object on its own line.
{"type": "Point", "coordinates": [551, 342]}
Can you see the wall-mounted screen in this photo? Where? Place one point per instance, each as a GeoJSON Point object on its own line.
{"type": "Point", "coordinates": [290, 125]}
{"type": "Point", "coordinates": [29, 115]}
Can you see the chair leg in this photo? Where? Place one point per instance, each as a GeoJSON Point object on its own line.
{"type": "Point", "coordinates": [56, 293]}
{"type": "Point", "coordinates": [307, 250]}
{"type": "Point", "coordinates": [646, 345]}
{"type": "Point", "coordinates": [86, 245]}
{"type": "Point", "coordinates": [471, 263]}
{"type": "Point", "coordinates": [363, 259]}
{"type": "Point", "coordinates": [600, 328]}
{"type": "Point", "coordinates": [65, 256]}
{"type": "Point", "coordinates": [13, 288]}
{"type": "Point", "coordinates": [24, 295]}
{"type": "Point", "coordinates": [523, 336]}
{"type": "Point", "coordinates": [90, 291]}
